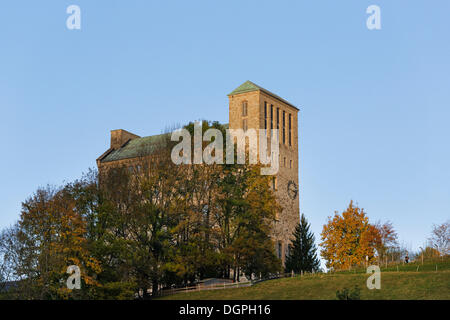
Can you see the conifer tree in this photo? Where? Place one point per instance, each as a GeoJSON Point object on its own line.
{"type": "Point", "coordinates": [302, 253]}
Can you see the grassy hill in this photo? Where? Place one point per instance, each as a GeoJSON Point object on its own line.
{"type": "Point", "coordinates": [408, 283]}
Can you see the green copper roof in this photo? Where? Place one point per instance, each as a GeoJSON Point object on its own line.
{"type": "Point", "coordinates": [249, 86]}
{"type": "Point", "coordinates": [136, 148]}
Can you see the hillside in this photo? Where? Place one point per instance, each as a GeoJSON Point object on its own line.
{"type": "Point", "coordinates": [405, 284]}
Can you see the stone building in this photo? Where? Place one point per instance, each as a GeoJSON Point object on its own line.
{"type": "Point", "coordinates": [250, 107]}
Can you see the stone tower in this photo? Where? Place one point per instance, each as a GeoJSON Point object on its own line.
{"type": "Point", "coordinates": [253, 107]}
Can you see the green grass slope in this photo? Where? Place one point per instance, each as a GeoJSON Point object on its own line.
{"type": "Point", "coordinates": [407, 283]}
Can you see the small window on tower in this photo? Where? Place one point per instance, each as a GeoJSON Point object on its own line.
{"type": "Point", "coordinates": [244, 108]}
{"type": "Point", "coordinates": [271, 116]}
{"type": "Point", "coordinates": [278, 118]}
{"type": "Point", "coordinates": [290, 130]}
{"type": "Point", "coordinates": [290, 163]}
{"type": "Point", "coordinates": [265, 115]}
{"type": "Point", "coordinates": [244, 125]}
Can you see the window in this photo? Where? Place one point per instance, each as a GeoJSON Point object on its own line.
{"type": "Point", "coordinates": [284, 162]}
{"type": "Point", "coordinates": [290, 131]}
{"type": "Point", "coordinates": [280, 249]}
{"type": "Point", "coordinates": [265, 115]}
{"type": "Point", "coordinates": [284, 127]}
{"type": "Point", "coordinates": [244, 125]}
{"type": "Point", "coordinates": [274, 183]}
{"type": "Point", "coordinates": [290, 163]}
{"type": "Point", "coordinates": [278, 118]}
{"type": "Point", "coordinates": [244, 108]}
{"type": "Point", "coordinates": [271, 116]}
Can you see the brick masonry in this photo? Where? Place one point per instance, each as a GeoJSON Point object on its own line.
{"type": "Point", "coordinates": [256, 101]}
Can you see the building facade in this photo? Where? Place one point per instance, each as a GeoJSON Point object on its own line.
{"type": "Point", "coordinates": [250, 107]}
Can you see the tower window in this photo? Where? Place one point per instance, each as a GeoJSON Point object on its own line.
{"type": "Point", "coordinates": [290, 130]}
{"type": "Point", "coordinates": [265, 115]}
{"type": "Point", "coordinates": [244, 108]}
{"type": "Point", "coordinates": [284, 162]}
{"type": "Point", "coordinates": [244, 124]}
{"type": "Point", "coordinates": [290, 163]}
{"type": "Point", "coordinates": [284, 127]}
{"type": "Point", "coordinates": [271, 116]}
{"type": "Point", "coordinates": [278, 118]}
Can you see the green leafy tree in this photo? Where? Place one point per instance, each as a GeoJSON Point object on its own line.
{"type": "Point", "coordinates": [302, 254]}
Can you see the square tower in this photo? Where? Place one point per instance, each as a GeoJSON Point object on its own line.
{"type": "Point", "coordinates": [253, 107]}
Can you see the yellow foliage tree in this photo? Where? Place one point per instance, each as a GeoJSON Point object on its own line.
{"type": "Point", "coordinates": [53, 235]}
{"type": "Point", "coordinates": [348, 239]}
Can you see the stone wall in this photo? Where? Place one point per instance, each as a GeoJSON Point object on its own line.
{"type": "Point", "coordinates": [289, 217]}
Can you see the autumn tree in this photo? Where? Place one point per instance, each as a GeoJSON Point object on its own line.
{"type": "Point", "coordinates": [440, 238]}
{"type": "Point", "coordinates": [140, 205]}
{"type": "Point", "coordinates": [251, 246]}
{"type": "Point", "coordinates": [144, 225]}
{"type": "Point", "coordinates": [348, 239]}
{"type": "Point", "coordinates": [52, 236]}
{"type": "Point", "coordinates": [226, 218]}
{"type": "Point", "coordinates": [427, 253]}
{"type": "Point", "coordinates": [388, 244]}
{"type": "Point", "coordinates": [302, 254]}
{"type": "Point", "coordinates": [9, 252]}
{"type": "Point", "coordinates": [200, 190]}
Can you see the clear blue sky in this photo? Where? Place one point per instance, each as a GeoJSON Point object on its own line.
{"type": "Point", "coordinates": [375, 105]}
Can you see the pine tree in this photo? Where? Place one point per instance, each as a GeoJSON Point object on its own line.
{"type": "Point", "coordinates": [302, 253]}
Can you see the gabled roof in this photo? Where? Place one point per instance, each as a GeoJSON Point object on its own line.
{"type": "Point", "coordinates": [249, 86]}
{"type": "Point", "coordinates": [135, 148]}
